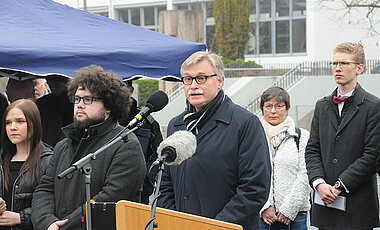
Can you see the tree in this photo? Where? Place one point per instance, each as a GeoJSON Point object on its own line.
{"type": "Point", "coordinates": [370, 16]}
{"type": "Point", "coordinates": [146, 88]}
{"type": "Point", "coordinates": [232, 27]}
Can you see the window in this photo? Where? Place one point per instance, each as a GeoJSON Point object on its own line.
{"type": "Point", "coordinates": [135, 15]}
{"type": "Point", "coordinates": [277, 30]}
{"type": "Point", "coordinates": [265, 34]}
{"type": "Point", "coordinates": [282, 8]}
{"type": "Point", "coordinates": [299, 35]}
{"type": "Point", "coordinates": [282, 37]}
{"type": "Point", "coordinates": [299, 7]}
{"type": "Point", "coordinates": [252, 9]}
{"type": "Point", "coordinates": [123, 15]}
{"type": "Point", "coordinates": [149, 16]}
{"type": "Point", "coordinates": [265, 9]}
{"type": "Point", "coordinates": [252, 41]}
{"type": "Point", "coordinates": [276, 26]}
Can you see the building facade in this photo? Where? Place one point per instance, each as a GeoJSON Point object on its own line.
{"type": "Point", "coordinates": [281, 31]}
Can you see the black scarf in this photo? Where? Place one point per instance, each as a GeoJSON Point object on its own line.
{"type": "Point", "coordinates": [194, 121]}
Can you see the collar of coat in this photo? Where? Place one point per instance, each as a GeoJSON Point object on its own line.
{"type": "Point", "coordinates": [224, 117]}
{"type": "Point", "coordinates": [358, 96]}
{"type": "Point", "coordinates": [93, 131]}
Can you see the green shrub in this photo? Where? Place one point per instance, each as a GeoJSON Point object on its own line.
{"type": "Point", "coordinates": [146, 88]}
{"type": "Point", "coordinates": [240, 64]}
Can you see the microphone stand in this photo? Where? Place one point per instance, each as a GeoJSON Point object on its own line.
{"type": "Point", "coordinates": [151, 223]}
{"type": "Point", "coordinates": [84, 165]}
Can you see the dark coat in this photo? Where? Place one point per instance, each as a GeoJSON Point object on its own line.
{"type": "Point", "coordinates": [23, 191]}
{"type": "Point", "coordinates": [228, 177]}
{"type": "Point", "coordinates": [150, 137]}
{"type": "Point", "coordinates": [56, 112]}
{"type": "Point", "coordinates": [117, 174]}
{"type": "Point", "coordinates": [346, 151]}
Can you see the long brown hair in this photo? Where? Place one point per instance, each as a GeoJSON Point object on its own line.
{"type": "Point", "coordinates": [33, 120]}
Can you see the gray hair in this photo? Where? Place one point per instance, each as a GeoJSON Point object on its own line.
{"type": "Point", "coordinates": [214, 59]}
{"type": "Point", "coordinates": [276, 92]}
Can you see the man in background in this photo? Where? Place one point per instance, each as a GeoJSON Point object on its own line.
{"type": "Point", "coordinates": [149, 136]}
{"type": "Point", "coordinates": [40, 87]}
{"type": "Point", "coordinates": [16, 89]}
{"type": "Point", "coordinates": [56, 110]}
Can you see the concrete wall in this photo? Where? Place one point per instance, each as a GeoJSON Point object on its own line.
{"type": "Point", "coordinates": [309, 90]}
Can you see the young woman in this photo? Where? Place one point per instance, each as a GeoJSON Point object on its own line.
{"type": "Point", "coordinates": [24, 160]}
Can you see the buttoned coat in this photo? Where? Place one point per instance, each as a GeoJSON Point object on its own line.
{"type": "Point", "coordinates": [346, 151]}
{"type": "Point", "coordinates": [117, 174]}
{"type": "Point", "coordinates": [228, 177]}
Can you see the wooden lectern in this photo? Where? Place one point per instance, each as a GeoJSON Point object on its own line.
{"type": "Point", "coordinates": [134, 216]}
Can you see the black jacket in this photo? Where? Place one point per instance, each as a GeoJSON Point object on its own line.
{"type": "Point", "coordinates": [346, 150]}
{"type": "Point", "coordinates": [150, 137]}
{"type": "Point", "coordinates": [23, 191]}
{"type": "Point", "coordinates": [56, 112]}
{"type": "Point", "coordinates": [117, 174]}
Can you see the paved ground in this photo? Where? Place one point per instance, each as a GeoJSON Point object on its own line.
{"type": "Point", "coordinates": [378, 189]}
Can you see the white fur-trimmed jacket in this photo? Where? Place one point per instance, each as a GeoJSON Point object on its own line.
{"type": "Point", "coordinates": [289, 192]}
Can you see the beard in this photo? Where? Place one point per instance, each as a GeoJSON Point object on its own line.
{"type": "Point", "coordinates": [84, 124]}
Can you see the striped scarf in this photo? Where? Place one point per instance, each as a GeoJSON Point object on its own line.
{"type": "Point", "coordinates": [194, 121]}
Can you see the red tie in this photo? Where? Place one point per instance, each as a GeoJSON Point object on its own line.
{"type": "Point", "coordinates": [338, 100]}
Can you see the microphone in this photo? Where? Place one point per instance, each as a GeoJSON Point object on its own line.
{"type": "Point", "coordinates": [178, 147]}
{"type": "Point", "coordinates": [155, 102]}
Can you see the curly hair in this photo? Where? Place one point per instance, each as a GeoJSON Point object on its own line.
{"type": "Point", "coordinates": [115, 94]}
{"type": "Point", "coordinates": [355, 49]}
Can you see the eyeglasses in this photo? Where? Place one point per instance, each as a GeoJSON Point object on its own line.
{"type": "Point", "coordinates": [276, 107]}
{"type": "Point", "coordinates": [87, 100]}
{"type": "Point", "coordinates": [200, 79]}
{"type": "Point", "coordinates": [342, 64]}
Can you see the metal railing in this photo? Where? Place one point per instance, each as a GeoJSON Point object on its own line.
{"type": "Point", "coordinates": [291, 74]}
{"type": "Point", "coordinates": [175, 91]}
{"type": "Point", "coordinates": [314, 68]}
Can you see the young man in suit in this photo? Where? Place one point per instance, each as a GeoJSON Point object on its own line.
{"type": "Point", "coordinates": [341, 152]}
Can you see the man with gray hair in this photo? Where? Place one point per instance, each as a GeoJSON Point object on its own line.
{"type": "Point", "coordinates": [228, 177]}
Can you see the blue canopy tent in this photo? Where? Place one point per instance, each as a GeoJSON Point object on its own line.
{"type": "Point", "coordinates": [42, 38]}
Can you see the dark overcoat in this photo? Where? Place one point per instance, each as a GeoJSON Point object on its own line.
{"type": "Point", "coordinates": [228, 177]}
{"type": "Point", "coordinates": [346, 151]}
{"type": "Point", "coordinates": [117, 174]}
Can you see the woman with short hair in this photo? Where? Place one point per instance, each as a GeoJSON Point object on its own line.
{"type": "Point", "coordinates": [288, 202]}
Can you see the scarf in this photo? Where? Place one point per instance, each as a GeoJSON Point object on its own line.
{"type": "Point", "coordinates": [276, 133]}
{"type": "Point", "coordinates": [194, 121]}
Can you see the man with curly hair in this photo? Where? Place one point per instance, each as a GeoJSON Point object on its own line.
{"type": "Point", "coordinates": [117, 174]}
